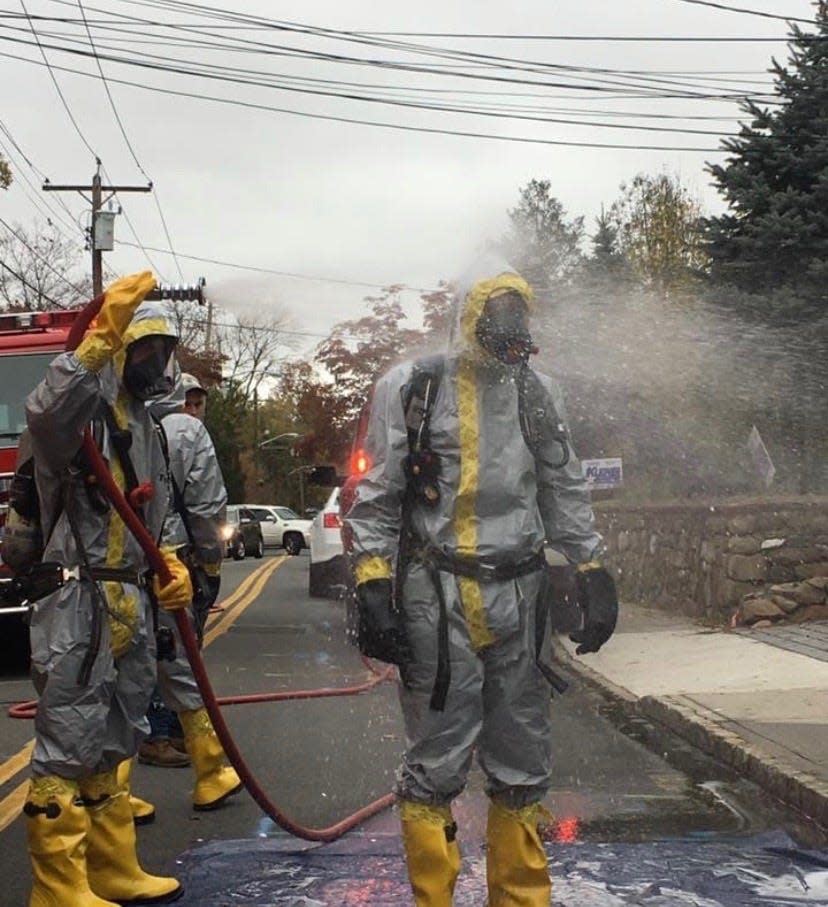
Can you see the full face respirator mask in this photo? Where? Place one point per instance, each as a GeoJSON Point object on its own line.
{"type": "Point", "coordinates": [149, 368]}
{"type": "Point", "coordinates": [503, 329]}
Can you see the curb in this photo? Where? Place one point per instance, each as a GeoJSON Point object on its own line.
{"type": "Point", "coordinates": [799, 790]}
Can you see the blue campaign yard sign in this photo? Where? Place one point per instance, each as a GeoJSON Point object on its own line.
{"type": "Point", "coordinates": [607, 473]}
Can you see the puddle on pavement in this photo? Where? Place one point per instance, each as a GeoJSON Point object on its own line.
{"type": "Point", "coordinates": [717, 800]}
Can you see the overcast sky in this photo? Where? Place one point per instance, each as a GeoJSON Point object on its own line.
{"type": "Point", "coordinates": [352, 202]}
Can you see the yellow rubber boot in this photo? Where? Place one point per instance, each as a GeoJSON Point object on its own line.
{"type": "Point", "coordinates": [143, 812]}
{"type": "Point", "coordinates": [516, 870]}
{"type": "Point", "coordinates": [215, 779]}
{"type": "Point", "coordinates": [57, 826]}
{"type": "Point", "coordinates": [431, 852]}
{"type": "Point", "coordinates": [111, 861]}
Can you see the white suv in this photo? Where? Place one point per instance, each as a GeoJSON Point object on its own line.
{"type": "Point", "coordinates": [281, 527]}
{"type": "Point", "coordinates": [327, 574]}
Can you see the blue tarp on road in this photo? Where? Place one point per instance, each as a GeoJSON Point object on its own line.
{"type": "Point", "coordinates": [368, 870]}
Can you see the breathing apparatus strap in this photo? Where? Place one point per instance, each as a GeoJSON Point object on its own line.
{"type": "Point", "coordinates": [418, 397]}
{"type": "Point", "coordinates": [442, 679]}
{"type": "Point", "coordinates": [178, 497]}
{"type": "Point", "coordinates": [542, 618]}
{"type": "Point", "coordinates": [122, 441]}
{"type": "Point", "coordinates": [535, 405]}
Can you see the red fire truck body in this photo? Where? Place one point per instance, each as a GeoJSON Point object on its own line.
{"type": "Point", "coordinates": [28, 343]}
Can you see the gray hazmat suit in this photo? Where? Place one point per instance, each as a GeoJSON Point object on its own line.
{"type": "Point", "coordinates": [498, 504]}
{"type": "Point", "coordinates": [84, 728]}
{"type": "Point", "coordinates": [196, 472]}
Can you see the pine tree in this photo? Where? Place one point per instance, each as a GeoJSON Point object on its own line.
{"type": "Point", "coordinates": [775, 181]}
{"type": "Point", "coordinates": [605, 267]}
{"type": "Point", "coordinates": [541, 243]}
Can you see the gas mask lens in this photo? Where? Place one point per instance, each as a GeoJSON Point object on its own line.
{"type": "Point", "coordinates": [503, 328]}
{"type": "Point", "coordinates": [148, 369]}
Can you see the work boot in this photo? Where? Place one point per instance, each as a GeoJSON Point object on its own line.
{"type": "Point", "coordinates": [179, 743]}
{"type": "Point", "coordinates": [162, 753]}
{"type": "Point", "coordinates": [143, 812]}
{"type": "Point", "coordinates": [57, 827]}
{"type": "Point", "coordinates": [111, 861]}
{"type": "Point", "coordinates": [215, 780]}
{"type": "Point", "coordinates": [431, 852]}
{"type": "Point", "coordinates": [517, 874]}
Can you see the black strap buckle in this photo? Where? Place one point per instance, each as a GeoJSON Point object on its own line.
{"type": "Point", "coordinates": [50, 810]}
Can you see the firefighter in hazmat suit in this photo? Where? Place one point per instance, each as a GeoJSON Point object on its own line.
{"type": "Point", "coordinates": [464, 486]}
{"type": "Point", "coordinates": [93, 646]}
{"type": "Point", "coordinates": [193, 527]}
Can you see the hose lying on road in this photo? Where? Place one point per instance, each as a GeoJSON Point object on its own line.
{"type": "Point", "coordinates": [188, 638]}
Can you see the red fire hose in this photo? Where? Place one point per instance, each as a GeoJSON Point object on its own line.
{"type": "Point", "coordinates": [156, 563]}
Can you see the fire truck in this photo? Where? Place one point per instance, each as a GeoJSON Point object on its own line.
{"type": "Point", "coordinates": [28, 343]}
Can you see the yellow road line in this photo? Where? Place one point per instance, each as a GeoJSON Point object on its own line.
{"type": "Point", "coordinates": [12, 805]}
{"type": "Point", "coordinates": [227, 620]}
{"type": "Point", "coordinates": [13, 764]}
{"type": "Point", "coordinates": [239, 592]}
{"type": "Point", "coordinates": [247, 592]}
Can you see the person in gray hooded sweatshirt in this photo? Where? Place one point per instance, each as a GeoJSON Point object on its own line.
{"type": "Point", "coordinates": [93, 649]}
{"type": "Point", "coordinates": [466, 482]}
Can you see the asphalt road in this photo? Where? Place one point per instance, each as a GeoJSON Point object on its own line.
{"type": "Point", "coordinates": [321, 760]}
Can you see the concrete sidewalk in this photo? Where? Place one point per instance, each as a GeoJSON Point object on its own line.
{"type": "Point", "coordinates": [761, 709]}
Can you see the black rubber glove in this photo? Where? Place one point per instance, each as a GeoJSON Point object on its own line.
{"type": "Point", "coordinates": [599, 602]}
{"type": "Point", "coordinates": [205, 593]}
{"type": "Point", "coordinates": [381, 633]}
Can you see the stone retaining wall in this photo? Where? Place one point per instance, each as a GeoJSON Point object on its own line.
{"type": "Point", "coordinates": [702, 557]}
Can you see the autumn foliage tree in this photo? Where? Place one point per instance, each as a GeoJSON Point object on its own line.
{"type": "Point", "coordinates": [329, 393]}
{"type": "Point", "coordinates": [657, 223]}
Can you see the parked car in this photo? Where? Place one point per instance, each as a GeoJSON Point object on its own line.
{"type": "Point", "coordinates": [328, 571]}
{"type": "Point", "coordinates": [281, 527]}
{"type": "Point", "coordinates": [242, 533]}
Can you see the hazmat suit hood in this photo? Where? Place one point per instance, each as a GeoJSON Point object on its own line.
{"type": "Point", "coordinates": [152, 319]}
{"type": "Point", "coordinates": [490, 275]}
{"type": "Point", "coordinates": [173, 402]}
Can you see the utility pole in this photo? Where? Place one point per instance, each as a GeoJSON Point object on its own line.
{"type": "Point", "coordinates": [208, 334]}
{"type": "Point", "coordinates": [256, 437]}
{"type": "Point", "coordinates": [101, 235]}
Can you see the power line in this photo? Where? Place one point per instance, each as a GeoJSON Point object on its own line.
{"type": "Point", "coordinates": [126, 138]}
{"type": "Point", "coordinates": [38, 203]}
{"type": "Point", "coordinates": [378, 124]}
{"type": "Point", "coordinates": [55, 82]}
{"type": "Point", "coordinates": [600, 84]}
{"type": "Point", "coordinates": [623, 39]}
{"type": "Point", "coordinates": [36, 200]}
{"type": "Point", "coordinates": [42, 258]}
{"type": "Point", "coordinates": [69, 111]}
{"type": "Point", "coordinates": [292, 274]}
{"type": "Point", "coordinates": [749, 12]}
{"type": "Point", "coordinates": [646, 39]}
{"type": "Point", "coordinates": [347, 36]}
{"type": "Point", "coordinates": [26, 283]}
{"type": "Point", "coordinates": [134, 39]}
{"type": "Point", "coordinates": [132, 230]}
{"type": "Point", "coordinates": [267, 330]}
